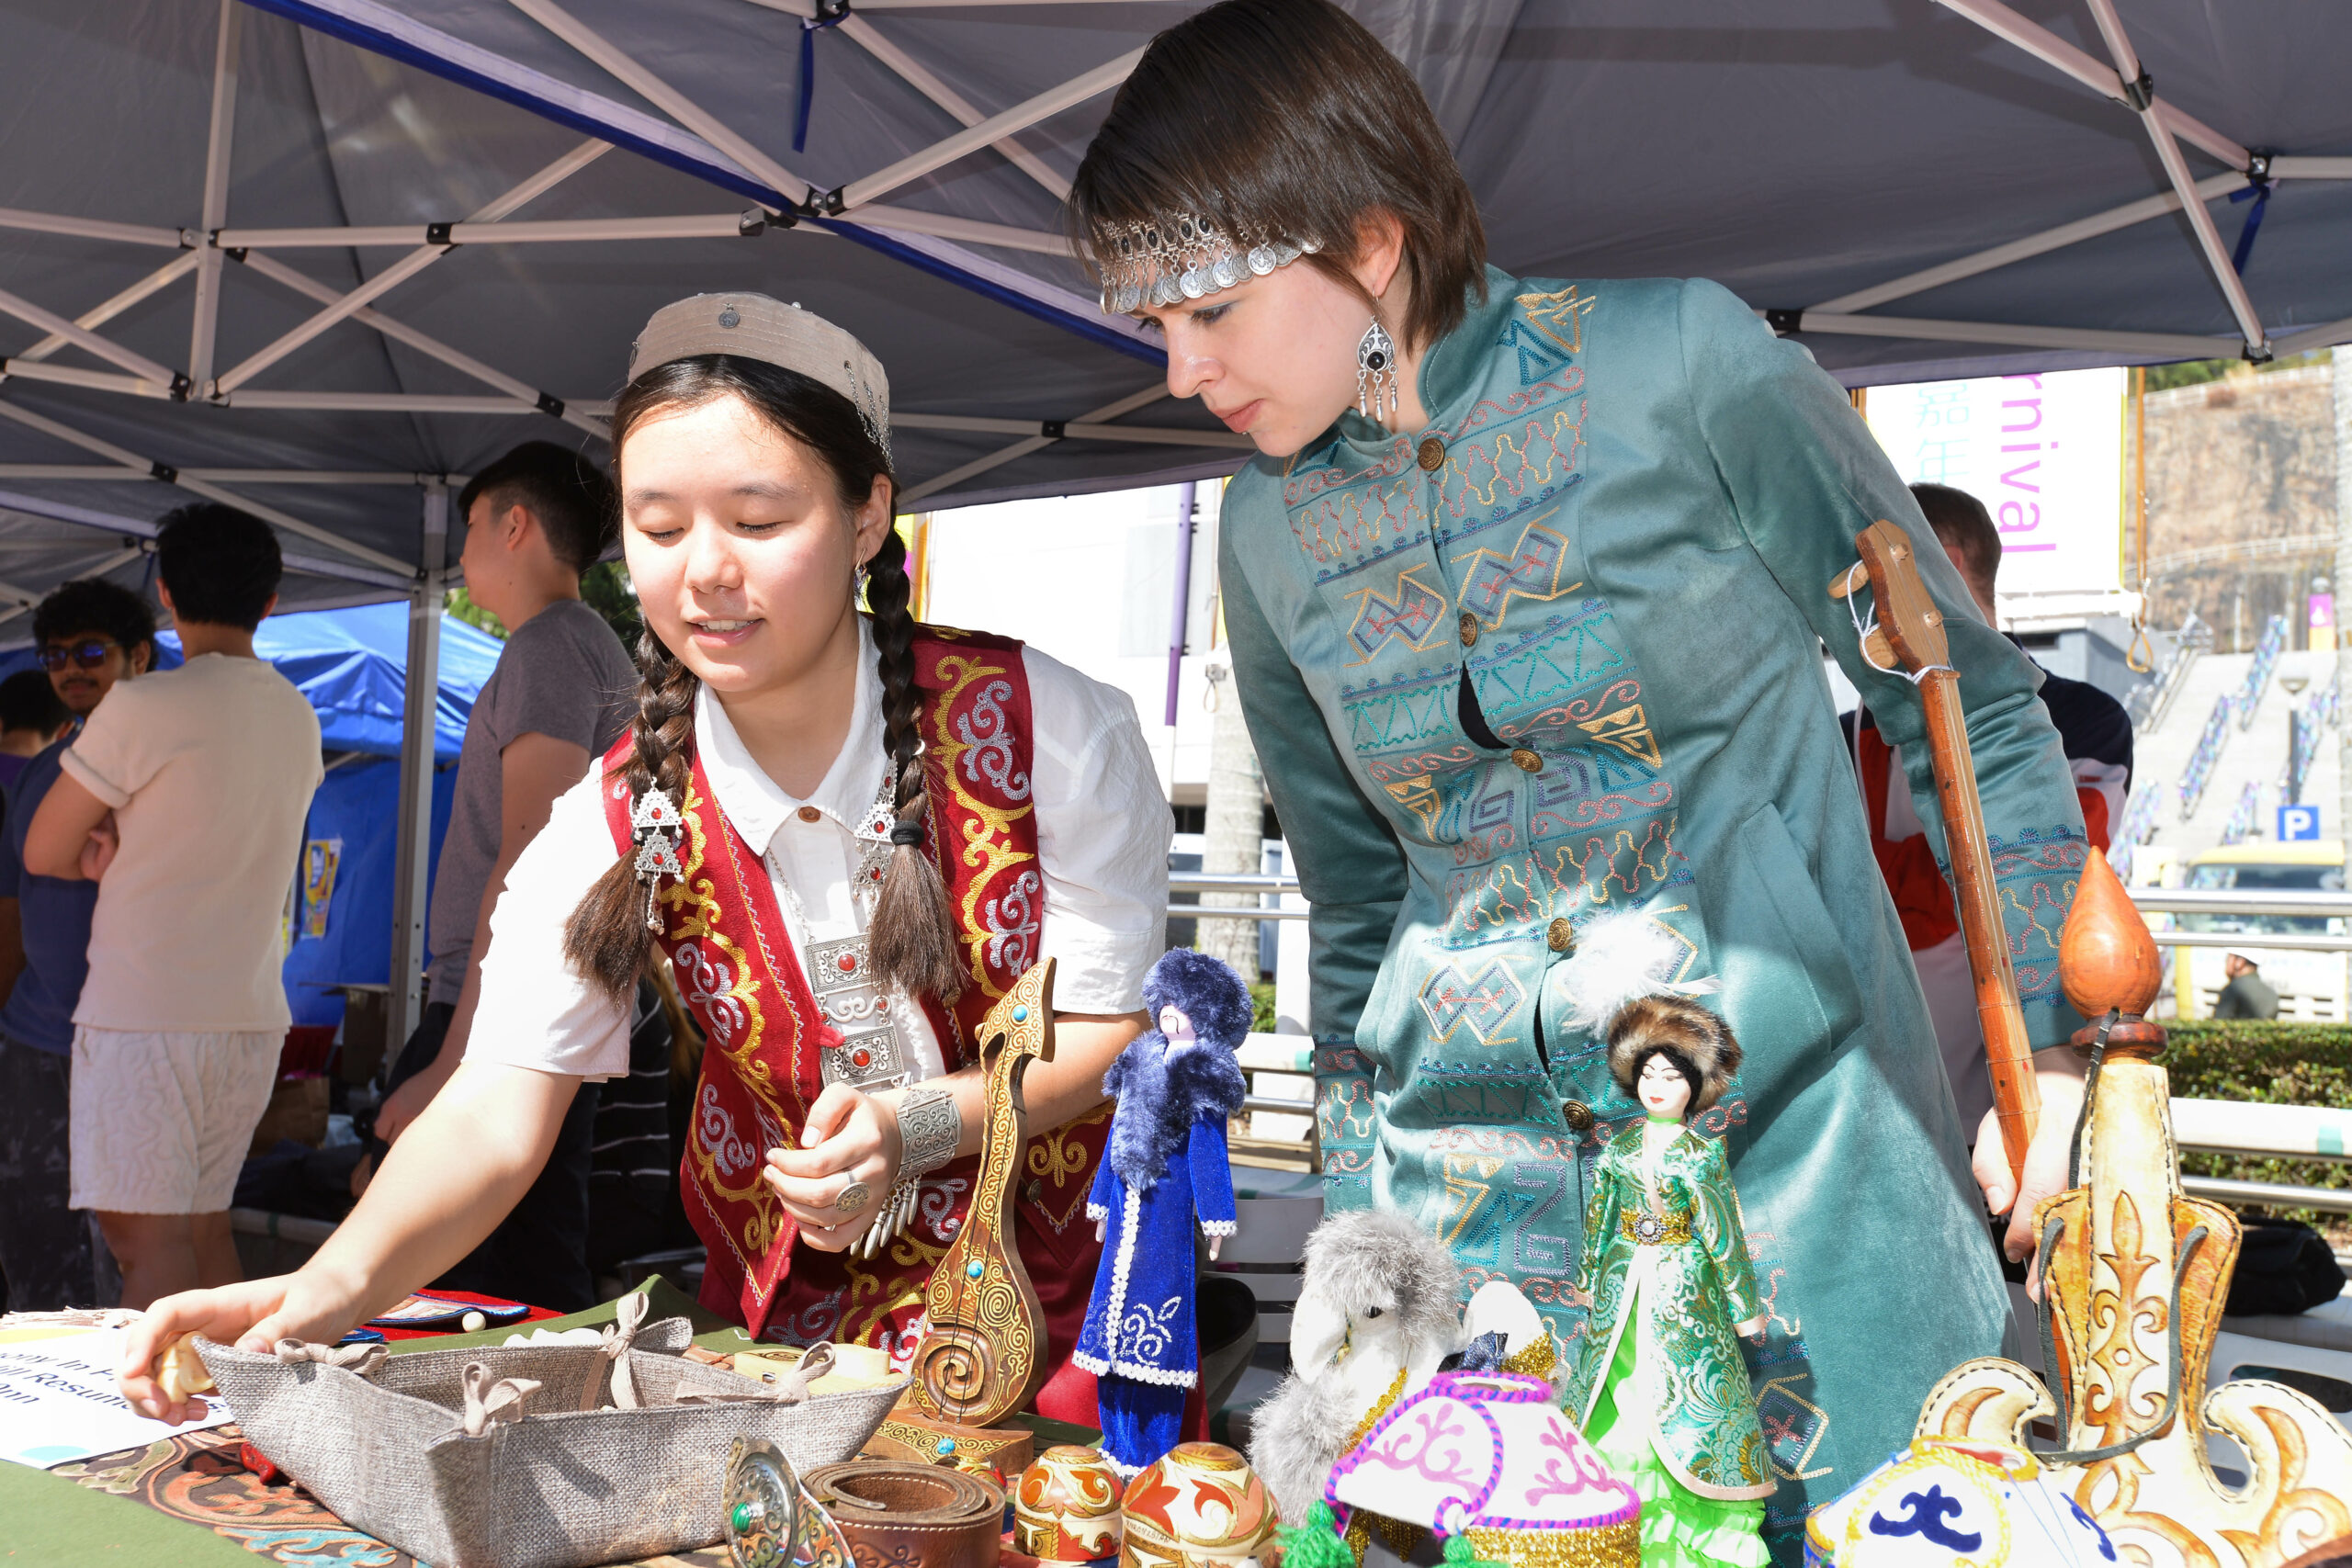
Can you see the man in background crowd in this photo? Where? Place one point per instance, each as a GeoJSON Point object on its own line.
{"type": "Point", "coordinates": [91, 634]}
{"type": "Point", "coordinates": [2247, 995]}
{"type": "Point", "coordinates": [30, 718]}
{"type": "Point", "coordinates": [2098, 739]}
{"type": "Point", "coordinates": [183, 798]}
{"type": "Point", "coordinates": [535, 520]}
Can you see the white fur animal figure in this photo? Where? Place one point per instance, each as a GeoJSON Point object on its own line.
{"type": "Point", "coordinates": [1380, 1295]}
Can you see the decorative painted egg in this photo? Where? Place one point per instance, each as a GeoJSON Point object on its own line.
{"type": "Point", "coordinates": [1491, 1457]}
{"type": "Point", "coordinates": [1942, 1502]}
{"type": "Point", "coordinates": [1065, 1507]}
{"type": "Point", "coordinates": [1199, 1504]}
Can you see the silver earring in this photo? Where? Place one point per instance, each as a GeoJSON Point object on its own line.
{"type": "Point", "coordinates": [1375, 371]}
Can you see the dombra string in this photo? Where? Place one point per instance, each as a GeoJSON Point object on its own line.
{"type": "Point", "coordinates": [1862, 629]}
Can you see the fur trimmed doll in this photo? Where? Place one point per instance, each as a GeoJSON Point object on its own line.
{"type": "Point", "coordinates": [1659, 1387]}
{"type": "Point", "coordinates": [1166, 1164]}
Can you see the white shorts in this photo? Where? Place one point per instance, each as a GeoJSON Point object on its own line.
{"type": "Point", "coordinates": [160, 1120]}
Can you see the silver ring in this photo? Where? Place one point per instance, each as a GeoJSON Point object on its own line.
{"type": "Point", "coordinates": [852, 1198]}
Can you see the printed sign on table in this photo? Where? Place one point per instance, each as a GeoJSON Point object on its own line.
{"type": "Point", "coordinates": [58, 1400]}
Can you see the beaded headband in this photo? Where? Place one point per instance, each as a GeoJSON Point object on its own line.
{"type": "Point", "coordinates": [1171, 259]}
{"type": "Point", "coordinates": [754, 326]}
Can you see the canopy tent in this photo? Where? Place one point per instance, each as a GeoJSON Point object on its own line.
{"type": "Point", "coordinates": [371, 243]}
{"type": "Point", "coordinates": [352, 664]}
{"type": "Point", "coordinates": [318, 256]}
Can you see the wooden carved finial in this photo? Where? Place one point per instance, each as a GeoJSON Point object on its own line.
{"type": "Point", "coordinates": [2106, 957]}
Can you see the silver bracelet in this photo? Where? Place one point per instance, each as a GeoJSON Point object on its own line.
{"type": "Point", "coordinates": [930, 1125]}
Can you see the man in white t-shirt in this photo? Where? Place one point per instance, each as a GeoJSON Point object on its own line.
{"type": "Point", "coordinates": [183, 798]}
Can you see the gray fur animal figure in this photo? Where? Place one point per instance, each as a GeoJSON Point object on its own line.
{"type": "Point", "coordinates": [1379, 1295]}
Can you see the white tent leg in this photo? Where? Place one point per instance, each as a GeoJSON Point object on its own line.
{"type": "Point", "coordinates": [409, 266]}
{"type": "Point", "coordinates": [662, 96]}
{"type": "Point", "coordinates": [2051, 49]}
{"type": "Point", "coordinates": [416, 830]}
{"type": "Point", "coordinates": [400, 332]}
{"type": "Point", "coordinates": [1020, 117]}
{"type": "Point", "coordinates": [2048, 239]}
{"type": "Point", "coordinates": [1022, 448]}
{"type": "Point", "coordinates": [140, 528]}
{"type": "Point", "coordinates": [99, 315]}
{"type": "Point", "coordinates": [129, 459]}
{"type": "Point", "coordinates": [216, 192]}
{"type": "Point", "coordinates": [2200, 222]}
{"type": "Point", "coordinates": [98, 568]}
{"type": "Point", "coordinates": [868, 37]}
{"type": "Point", "coordinates": [83, 338]}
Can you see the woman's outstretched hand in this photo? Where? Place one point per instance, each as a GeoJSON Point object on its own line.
{"type": "Point", "coordinates": [2059, 1075]}
{"type": "Point", "coordinates": [254, 1316]}
{"type": "Point", "coordinates": [834, 1184]}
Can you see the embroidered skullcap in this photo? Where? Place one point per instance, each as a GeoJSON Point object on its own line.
{"type": "Point", "coordinates": [754, 326]}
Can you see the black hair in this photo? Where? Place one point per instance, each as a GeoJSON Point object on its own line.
{"type": "Point", "coordinates": [1287, 115]}
{"type": "Point", "coordinates": [222, 565]}
{"type": "Point", "coordinates": [912, 942]}
{"type": "Point", "coordinates": [94, 604]}
{"type": "Point", "coordinates": [1962, 523]}
{"type": "Point", "coordinates": [569, 496]}
{"type": "Point", "coordinates": [28, 701]}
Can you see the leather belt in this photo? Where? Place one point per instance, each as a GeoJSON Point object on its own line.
{"type": "Point", "coordinates": [911, 1516]}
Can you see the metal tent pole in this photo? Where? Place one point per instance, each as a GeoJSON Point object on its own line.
{"type": "Point", "coordinates": [1186, 494]}
{"type": "Point", "coordinates": [415, 832]}
{"type": "Point", "coordinates": [205, 333]}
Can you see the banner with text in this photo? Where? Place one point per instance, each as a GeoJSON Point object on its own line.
{"type": "Point", "coordinates": [2044, 453]}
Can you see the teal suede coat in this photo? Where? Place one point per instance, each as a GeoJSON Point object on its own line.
{"type": "Point", "coordinates": [1622, 522]}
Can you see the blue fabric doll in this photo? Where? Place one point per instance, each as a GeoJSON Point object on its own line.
{"type": "Point", "coordinates": [1176, 1086]}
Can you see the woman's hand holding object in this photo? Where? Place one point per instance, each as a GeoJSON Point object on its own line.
{"type": "Point", "coordinates": [254, 1316]}
{"type": "Point", "coordinates": [849, 1156]}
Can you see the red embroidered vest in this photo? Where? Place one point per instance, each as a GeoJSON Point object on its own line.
{"type": "Point", "coordinates": [737, 973]}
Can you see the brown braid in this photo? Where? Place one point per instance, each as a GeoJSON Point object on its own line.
{"type": "Point", "coordinates": [606, 940]}
{"type": "Point", "coordinates": [912, 942]}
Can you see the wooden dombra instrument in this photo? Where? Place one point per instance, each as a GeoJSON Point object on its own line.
{"type": "Point", "coordinates": [984, 1356]}
{"type": "Point", "coordinates": [1911, 631]}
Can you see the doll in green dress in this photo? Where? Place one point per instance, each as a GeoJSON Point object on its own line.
{"type": "Point", "coordinates": [1660, 1385]}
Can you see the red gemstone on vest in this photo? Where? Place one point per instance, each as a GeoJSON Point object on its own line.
{"type": "Point", "coordinates": [848, 961]}
{"type": "Point", "coordinates": [861, 1058]}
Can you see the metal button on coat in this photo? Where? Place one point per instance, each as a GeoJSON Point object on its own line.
{"type": "Point", "coordinates": [1560, 936]}
{"type": "Point", "coordinates": [810, 814]}
{"type": "Point", "coordinates": [1578, 1115]}
{"type": "Point", "coordinates": [1527, 761]}
{"type": "Point", "coordinates": [1469, 630]}
{"type": "Point", "coordinates": [1431, 454]}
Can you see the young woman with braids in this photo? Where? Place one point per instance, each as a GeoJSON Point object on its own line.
{"type": "Point", "coordinates": [846, 834]}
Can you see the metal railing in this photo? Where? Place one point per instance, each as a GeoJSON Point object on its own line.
{"type": "Point", "coordinates": [2149, 901]}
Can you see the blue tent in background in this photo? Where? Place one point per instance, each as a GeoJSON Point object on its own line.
{"type": "Point", "coordinates": [352, 665]}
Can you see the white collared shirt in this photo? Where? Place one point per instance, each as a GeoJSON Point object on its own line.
{"type": "Point", "coordinates": [1103, 828]}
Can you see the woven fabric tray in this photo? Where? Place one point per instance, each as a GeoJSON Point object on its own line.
{"type": "Point", "coordinates": [543, 1483]}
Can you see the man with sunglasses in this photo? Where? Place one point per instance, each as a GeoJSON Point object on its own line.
{"type": "Point", "coordinates": [91, 634]}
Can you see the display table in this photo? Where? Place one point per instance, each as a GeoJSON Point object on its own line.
{"type": "Point", "coordinates": [188, 1500]}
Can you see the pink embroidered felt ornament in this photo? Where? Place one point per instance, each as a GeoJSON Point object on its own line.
{"type": "Point", "coordinates": [1490, 1457]}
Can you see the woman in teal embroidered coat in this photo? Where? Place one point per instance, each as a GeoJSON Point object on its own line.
{"type": "Point", "coordinates": [1527, 597]}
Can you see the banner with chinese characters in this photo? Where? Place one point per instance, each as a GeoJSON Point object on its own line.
{"type": "Point", "coordinates": [2044, 453]}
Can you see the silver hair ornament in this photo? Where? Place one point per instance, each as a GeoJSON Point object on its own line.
{"type": "Point", "coordinates": [1168, 260]}
{"type": "Point", "coordinates": [658, 831]}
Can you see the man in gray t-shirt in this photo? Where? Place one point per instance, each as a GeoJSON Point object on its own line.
{"type": "Point", "coordinates": [563, 691]}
